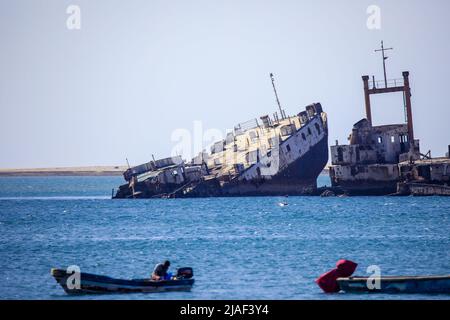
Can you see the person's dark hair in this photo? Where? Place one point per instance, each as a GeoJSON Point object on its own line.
{"type": "Point", "coordinates": [167, 263]}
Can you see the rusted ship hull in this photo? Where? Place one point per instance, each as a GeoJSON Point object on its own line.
{"type": "Point", "coordinates": [367, 187]}
{"type": "Point", "coordinates": [299, 178]}
{"type": "Point", "coordinates": [422, 190]}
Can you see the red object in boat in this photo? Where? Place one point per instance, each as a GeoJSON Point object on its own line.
{"type": "Point", "coordinates": [327, 282]}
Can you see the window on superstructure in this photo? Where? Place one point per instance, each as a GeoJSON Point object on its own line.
{"type": "Point", "coordinates": [303, 136]}
{"type": "Point", "coordinates": [309, 131]}
{"type": "Point", "coordinates": [392, 139]}
{"type": "Point", "coordinates": [380, 139]}
{"type": "Point", "coordinates": [272, 141]}
{"type": "Point", "coordinates": [286, 130]}
{"type": "Point", "coordinates": [340, 154]}
{"type": "Point", "coordinates": [252, 157]}
{"type": "Point", "coordinates": [288, 148]}
{"type": "Point", "coordinates": [253, 136]}
{"type": "Point", "coordinates": [317, 128]}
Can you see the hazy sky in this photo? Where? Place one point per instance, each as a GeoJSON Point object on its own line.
{"type": "Point", "coordinates": [138, 70]}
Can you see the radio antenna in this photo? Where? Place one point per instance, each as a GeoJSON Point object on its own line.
{"type": "Point", "coordinates": [276, 96]}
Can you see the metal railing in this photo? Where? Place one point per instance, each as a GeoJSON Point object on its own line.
{"type": "Point", "coordinates": [247, 125]}
{"type": "Point", "coordinates": [391, 83]}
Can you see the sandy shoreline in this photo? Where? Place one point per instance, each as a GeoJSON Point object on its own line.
{"type": "Point", "coordinates": [66, 171]}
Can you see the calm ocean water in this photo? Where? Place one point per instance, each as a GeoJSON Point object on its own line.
{"type": "Point", "coordinates": [240, 248]}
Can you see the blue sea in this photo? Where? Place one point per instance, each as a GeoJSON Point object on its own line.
{"type": "Point", "coordinates": [240, 248]}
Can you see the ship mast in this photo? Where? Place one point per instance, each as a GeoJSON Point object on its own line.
{"type": "Point", "coordinates": [276, 96]}
{"type": "Point", "coordinates": [384, 61]}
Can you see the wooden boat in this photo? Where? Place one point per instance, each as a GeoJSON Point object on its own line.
{"type": "Point", "coordinates": [416, 284]}
{"type": "Point", "coordinates": [91, 283]}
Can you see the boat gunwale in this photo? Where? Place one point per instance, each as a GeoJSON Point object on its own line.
{"type": "Point", "coordinates": [394, 278]}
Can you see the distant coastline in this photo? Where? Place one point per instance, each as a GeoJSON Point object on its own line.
{"type": "Point", "coordinates": [65, 171]}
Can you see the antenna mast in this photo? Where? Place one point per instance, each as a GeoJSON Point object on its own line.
{"type": "Point", "coordinates": [276, 96]}
{"type": "Point", "coordinates": [384, 60]}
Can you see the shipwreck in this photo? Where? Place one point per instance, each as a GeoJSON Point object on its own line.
{"type": "Point", "coordinates": [386, 159]}
{"type": "Point", "coordinates": [270, 156]}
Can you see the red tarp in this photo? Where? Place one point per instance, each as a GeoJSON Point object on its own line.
{"type": "Point", "coordinates": [327, 282]}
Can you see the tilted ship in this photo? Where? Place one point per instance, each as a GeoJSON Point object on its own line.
{"type": "Point", "coordinates": [272, 156]}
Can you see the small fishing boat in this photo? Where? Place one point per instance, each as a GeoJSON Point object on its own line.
{"type": "Point", "coordinates": [414, 284]}
{"type": "Point", "coordinates": [341, 279]}
{"type": "Point", "coordinates": [91, 283]}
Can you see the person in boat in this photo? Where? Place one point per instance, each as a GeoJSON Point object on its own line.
{"type": "Point", "coordinates": [160, 271]}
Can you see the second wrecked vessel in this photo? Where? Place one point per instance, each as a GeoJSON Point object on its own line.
{"type": "Point", "coordinates": [369, 164]}
{"type": "Point", "coordinates": [282, 155]}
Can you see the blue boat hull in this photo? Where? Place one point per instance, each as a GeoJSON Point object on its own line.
{"type": "Point", "coordinates": [96, 284]}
